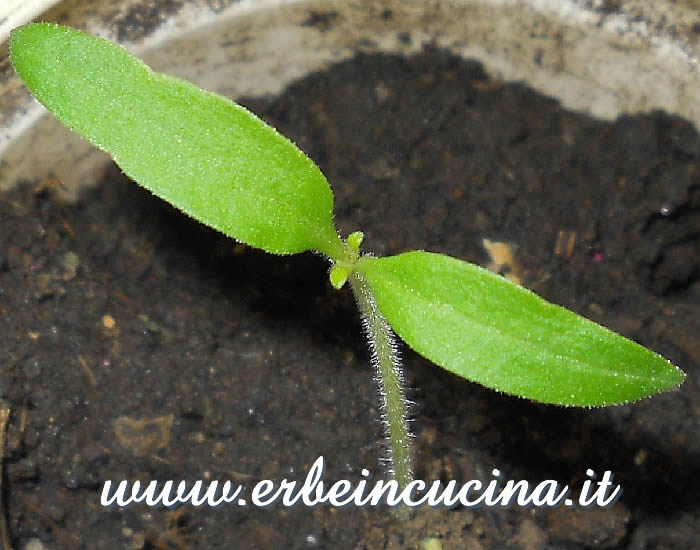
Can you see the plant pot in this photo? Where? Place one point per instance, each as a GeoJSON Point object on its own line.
{"type": "Point", "coordinates": [142, 346]}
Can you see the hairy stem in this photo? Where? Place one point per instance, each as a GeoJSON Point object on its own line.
{"type": "Point", "coordinates": [389, 376]}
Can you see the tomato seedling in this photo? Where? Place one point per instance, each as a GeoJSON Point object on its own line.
{"type": "Point", "coordinates": [222, 165]}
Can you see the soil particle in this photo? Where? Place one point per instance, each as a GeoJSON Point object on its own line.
{"type": "Point", "coordinates": [117, 312]}
{"type": "Point", "coordinates": [590, 527]}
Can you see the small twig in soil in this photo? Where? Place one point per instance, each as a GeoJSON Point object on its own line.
{"type": "Point", "coordinates": [4, 417]}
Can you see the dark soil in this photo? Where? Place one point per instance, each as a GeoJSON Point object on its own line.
{"type": "Point", "coordinates": [137, 344]}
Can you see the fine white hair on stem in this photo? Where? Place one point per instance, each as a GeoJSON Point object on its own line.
{"type": "Point", "coordinates": [390, 381]}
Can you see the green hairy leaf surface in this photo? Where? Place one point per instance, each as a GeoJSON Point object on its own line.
{"type": "Point", "coordinates": [201, 152]}
{"type": "Point", "coordinates": [482, 327]}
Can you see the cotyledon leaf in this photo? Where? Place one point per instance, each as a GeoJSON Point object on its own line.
{"type": "Point", "coordinates": [482, 327]}
{"type": "Point", "coordinates": [201, 152]}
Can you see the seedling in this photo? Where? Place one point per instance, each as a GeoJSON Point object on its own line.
{"type": "Point", "coordinates": [219, 163]}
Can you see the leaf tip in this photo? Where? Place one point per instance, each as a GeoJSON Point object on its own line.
{"type": "Point", "coordinates": [338, 275]}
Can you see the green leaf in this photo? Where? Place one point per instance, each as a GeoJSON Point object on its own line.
{"type": "Point", "coordinates": [482, 327]}
{"type": "Point", "coordinates": [201, 152]}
